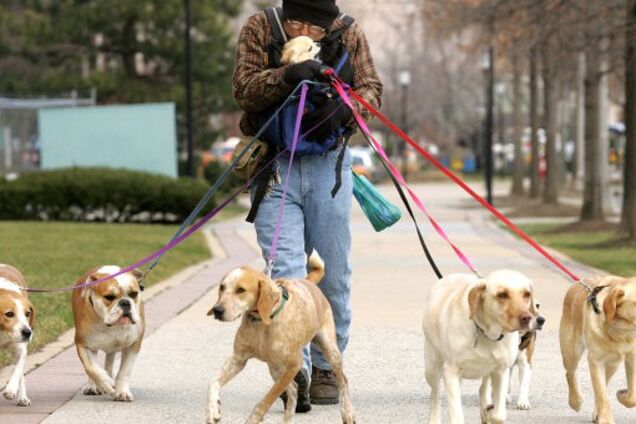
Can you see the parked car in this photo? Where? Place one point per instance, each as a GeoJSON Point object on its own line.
{"type": "Point", "coordinates": [363, 163]}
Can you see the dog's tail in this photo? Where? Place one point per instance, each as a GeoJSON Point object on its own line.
{"type": "Point", "coordinates": [316, 268]}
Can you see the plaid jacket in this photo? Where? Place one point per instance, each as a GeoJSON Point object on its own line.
{"type": "Point", "coordinates": [256, 87]}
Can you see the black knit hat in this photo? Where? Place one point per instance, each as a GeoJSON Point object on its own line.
{"type": "Point", "coordinates": [317, 12]}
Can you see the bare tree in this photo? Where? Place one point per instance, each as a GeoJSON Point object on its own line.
{"type": "Point", "coordinates": [629, 194]}
{"type": "Point", "coordinates": [535, 180]}
{"type": "Point", "coordinates": [517, 100]}
{"type": "Point", "coordinates": [550, 101]}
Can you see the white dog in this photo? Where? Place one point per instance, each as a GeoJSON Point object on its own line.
{"type": "Point", "coordinates": [17, 318]}
{"type": "Point", "coordinates": [299, 49]}
{"type": "Point", "coordinates": [471, 327]}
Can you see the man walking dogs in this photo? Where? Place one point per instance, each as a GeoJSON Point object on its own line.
{"type": "Point", "coordinates": [318, 200]}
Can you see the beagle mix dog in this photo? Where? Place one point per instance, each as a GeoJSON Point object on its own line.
{"type": "Point", "coordinates": [524, 360]}
{"type": "Point", "coordinates": [299, 49]}
{"type": "Point", "coordinates": [17, 318]}
{"type": "Point", "coordinates": [278, 319]}
{"type": "Point", "coordinates": [603, 322]}
{"type": "Point", "coordinates": [109, 317]}
{"type": "Point", "coordinates": [471, 329]}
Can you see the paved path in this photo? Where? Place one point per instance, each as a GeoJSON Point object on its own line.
{"type": "Point", "coordinates": [384, 359]}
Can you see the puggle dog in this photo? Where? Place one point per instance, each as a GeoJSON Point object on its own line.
{"type": "Point", "coordinates": [471, 329]}
{"type": "Point", "coordinates": [279, 318]}
{"type": "Point", "coordinates": [299, 49]}
{"type": "Point", "coordinates": [109, 317]}
{"type": "Point", "coordinates": [604, 325]}
{"type": "Point", "coordinates": [524, 360]}
{"type": "Point", "coordinates": [17, 318]}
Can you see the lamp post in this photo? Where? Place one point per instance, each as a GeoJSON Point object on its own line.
{"type": "Point", "coordinates": [487, 66]}
{"type": "Point", "coordinates": [404, 79]}
{"type": "Point", "coordinates": [188, 89]}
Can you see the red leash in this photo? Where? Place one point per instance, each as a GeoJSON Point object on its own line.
{"type": "Point", "coordinates": [463, 185]}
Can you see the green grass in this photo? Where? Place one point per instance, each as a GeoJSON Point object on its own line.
{"type": "Point", "coordinates": [600, 249]}
{"type": "Point", "coordinates": [56, 254]}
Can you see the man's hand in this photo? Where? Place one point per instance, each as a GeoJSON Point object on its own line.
{"type": "Point", "coordinates": [326, 119]}
{"type": "Point", "coordinates": [307, 70]}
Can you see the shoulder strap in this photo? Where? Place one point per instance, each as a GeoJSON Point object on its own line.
{"type": "Point", "coordinates": [347, 21]}
{"type": "Point", "coordinates": [273, 16]}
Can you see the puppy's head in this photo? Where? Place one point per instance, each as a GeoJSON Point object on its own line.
{"type": "Point", "coordinates": [115, 301]}
{"type": "Point", "coordinates": [299, 49]}
{"type": "Point", "coordinates": [619, 305]}
{"type": "Point", "coordinates": [243, 290]}
{"type": "Point", "coordinates": [17, 316]}
{"type": "Point", "coordinates": [536, 324]}
{"type": "Point", "coordinates": [505, 298]}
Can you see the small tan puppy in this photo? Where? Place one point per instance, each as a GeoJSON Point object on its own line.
{"type": "Point", "coordinates": [471, 329]}
{"type": "Point", "coordinates": [299, 49]}
{"type": "Point", "coordinates": [17, 318]}
{"type": "Point", "coordinates": [109, 317]}
{"type": "Point", "coordinates": [279, 318]}
{"type": "Point", "coordinates": [524, 360]}
{"type": "Point", "coordinates": [608, 335]}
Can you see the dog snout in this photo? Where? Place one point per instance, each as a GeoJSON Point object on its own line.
{"type": "Point", "coordinates": [540, 321]}
{"type": "Point", "coordinates": [125, 304]}
{"type": "Point", "coordinates": [524, 319]}
{"type": "Point", "coordinates": [218, 311]}
{"type": "Point", "coordinates": [26, 333]}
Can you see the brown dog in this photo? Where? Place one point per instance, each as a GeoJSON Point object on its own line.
{"type": "Point", "coordinates": [17, 318]}
{"type": "Point", "coordinates": [606, 327]}
{"type": "Point", "coordinates": [279, 318]}
{"type": "Point", "coordinates": [109, 317]}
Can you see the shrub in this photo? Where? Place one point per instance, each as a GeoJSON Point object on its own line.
{"type": "Point", "coordinates": [214, 170]}
{"type": "Point", "coordinates": [100, 194]}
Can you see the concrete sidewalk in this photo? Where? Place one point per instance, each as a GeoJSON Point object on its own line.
{"type": "Point", "coordinates": [384, 359]}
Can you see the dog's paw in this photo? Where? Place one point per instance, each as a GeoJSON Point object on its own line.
{"type": "Point", "coordinates": [123, 396]}
{"type": "Point", "coordinates": [91, 390]}
{"type": "Point", "coordinates": [24, 401]}
{"type": "Point", "coordinates": [214, 413]}
{"type": "Point", "coordinates": [575, 401]}
{"type": "Point", "coordinates": [625, 399]}
{"type": "Point", "coordinates": [523, 405]}
{"type": "Point", "coordinates": [10, 392]}
{"type": "Point", "coordinates": [349, 418]}
{"type": "Point", "coordinates": [488, 416]}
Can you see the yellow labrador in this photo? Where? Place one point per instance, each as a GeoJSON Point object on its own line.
{"type": "Point", "coordinates": [606, 327]}
{"type": "Point", "coordinates": [471, 329]}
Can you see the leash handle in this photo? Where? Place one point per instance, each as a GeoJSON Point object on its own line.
{"type": "Point", "coordinates": [464, 186]}
{"type": "Point", "coordinates": [396, 173]}
{"type": "Point", "coordinates": [281, 210]}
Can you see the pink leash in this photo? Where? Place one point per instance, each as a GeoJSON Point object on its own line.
{"type": "Point", "coordinates": [281, 210]}
{"type": "Point", "coordinates": [396, 173]}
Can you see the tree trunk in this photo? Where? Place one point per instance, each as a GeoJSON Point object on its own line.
{"type": "Point", "coordinates": [596, 154]}
{"type": "Point", "coordinates": [535, 180]}
{"type": "Point", "coordinates": [629, 193]}
{"type": "Point", "coordinates": [519, 168]}
{"type": "Point", "coordinates": [550, 100]}
{"type": "Point", "coordinates": [579, 125]}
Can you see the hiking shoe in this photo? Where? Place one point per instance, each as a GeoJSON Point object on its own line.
{"type": "Point", "coordinates": [323, 389]}
{"type": "Point", "coordinates": [302, 404]}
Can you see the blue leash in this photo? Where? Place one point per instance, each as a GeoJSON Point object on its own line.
{"type": "Point", "coordinates": [215, 187]}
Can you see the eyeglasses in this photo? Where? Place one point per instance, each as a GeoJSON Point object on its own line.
{"type": "Point", "coordinates": [298, 25]}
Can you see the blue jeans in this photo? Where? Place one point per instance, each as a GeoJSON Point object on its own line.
{"type": "Point", "coordinates": [313, 220]}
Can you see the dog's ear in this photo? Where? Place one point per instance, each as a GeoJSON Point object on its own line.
{"type": "Point", "coordinates": [611, 303]}
{"type": "Point", "coordinates": [266, 299]}
{"type": "Point", "coordinates": [32, 316]}
{"type": "Point", "coordinates": [287, 55]}
{"type": "Point", "coordinates": [474, 298]}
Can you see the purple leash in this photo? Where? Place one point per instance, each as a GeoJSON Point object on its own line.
{"type": "Point", "coordinates": [281, 211]}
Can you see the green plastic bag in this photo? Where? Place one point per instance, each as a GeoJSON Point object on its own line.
{"type": "Point", "coordinates": [380, 212]}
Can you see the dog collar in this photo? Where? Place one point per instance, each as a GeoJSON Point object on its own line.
{"type": "Point", "coordinates": [481, 330]}
{"type": "Point", "coordinates": [592, 299]}
{"type": "Point", "coordinates": [284, 298]}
